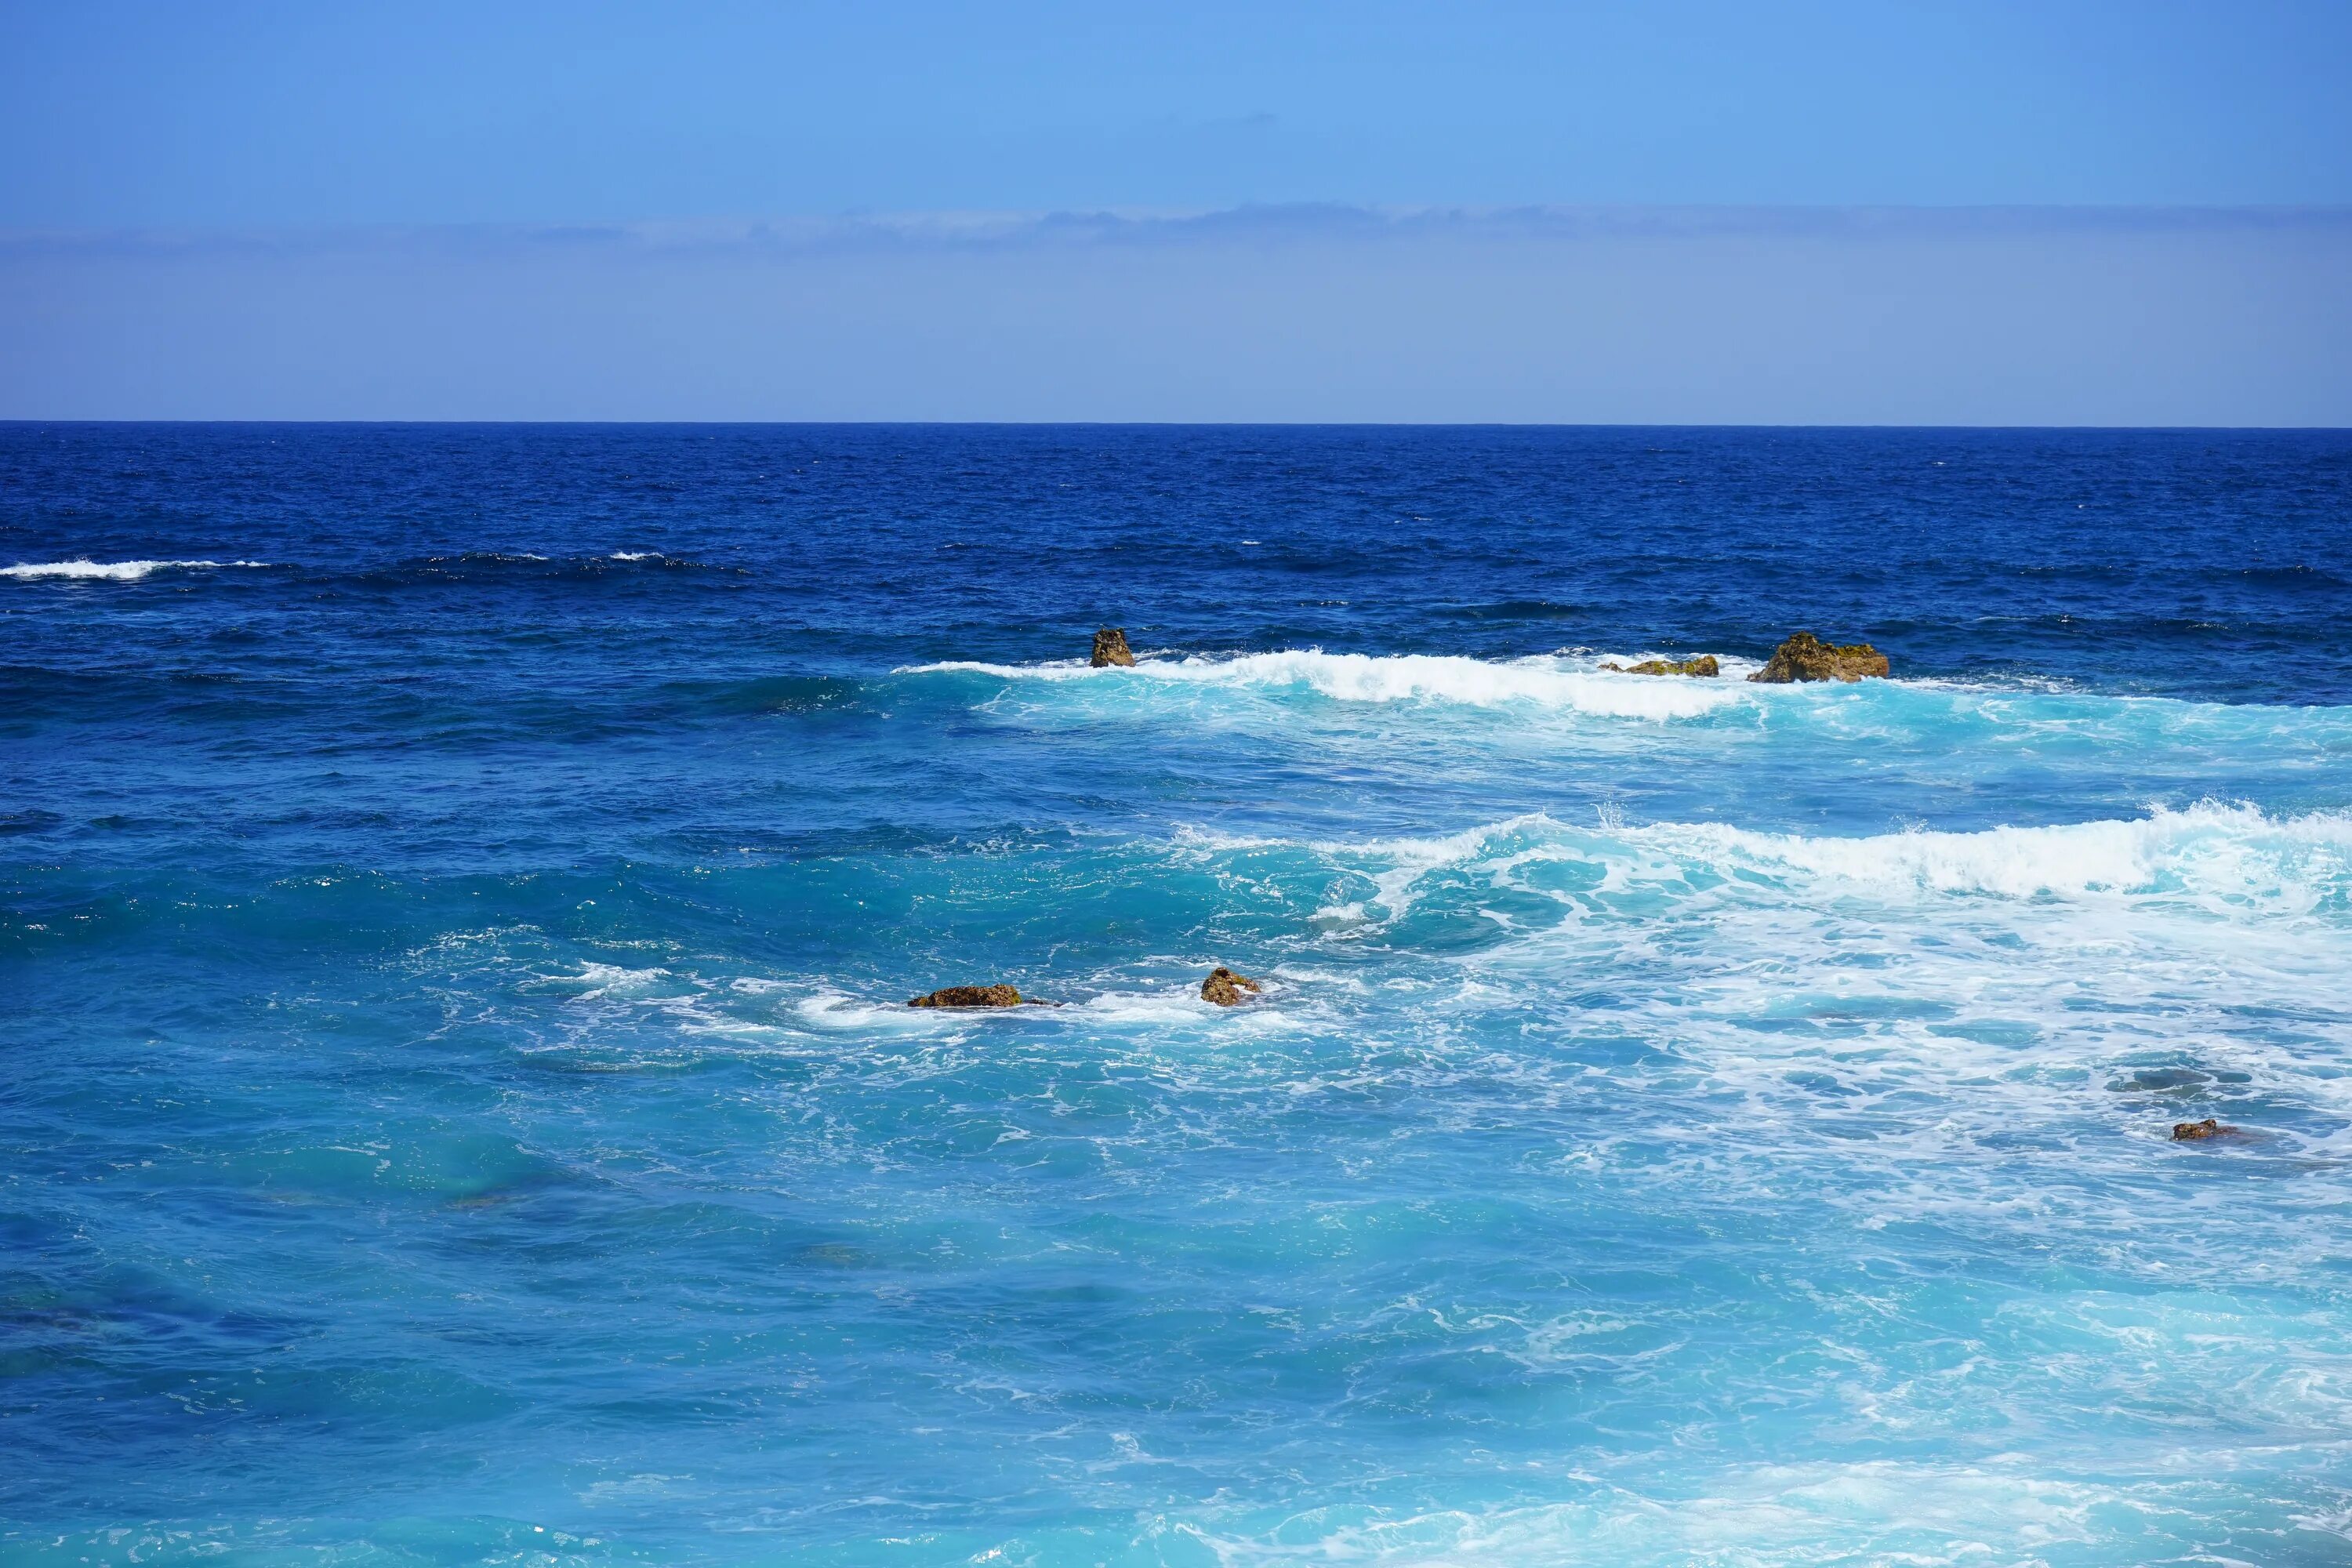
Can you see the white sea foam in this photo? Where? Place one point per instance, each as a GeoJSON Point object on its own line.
{"type": "Point", "coordinates": [1546, 682]}
{"type": "Point", "coordinates": [113, 571]}
{"type": "Point", "coordinates": [1174, 1004]}
{"type": "Point", "coordinates": [1949, 986]}
{"type": "Point", "coordinates": [1179, 1004]}
{"type": "Point", "coordinates": [836, 1012]}
{"type": "Point", "coordinates": [609, 979]}
{"type": "Point", "coordinates": [1766, 1516]}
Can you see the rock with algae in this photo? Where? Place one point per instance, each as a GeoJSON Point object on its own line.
{"type": "Point", "coordinates": [1227, 989]}
{"type": "Point", "coordinates": [2193, 1131]}
{"type": "Point", "coordinates": [1110, 648]}
{"type": "Point", "coordinates": [1703, 665]}
{"type": "Point", "coordinates": [969, 996]}
{"type": "Point", "coordinates": [1805, 657]}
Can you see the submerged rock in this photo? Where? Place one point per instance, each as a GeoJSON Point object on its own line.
{"type": "Point", "coordinates": [2190, 1132]}
{"type": "Point", "coordinates": [1110, 648]}
{"type": "Point", "coordinates": [1805, 657]}
{"type": "Point", "coordinates": [969, 996]}
{"type": "Point", "coordinates": [1703, 665]}
{"type": "Point", "coordinates": [1225, 988]}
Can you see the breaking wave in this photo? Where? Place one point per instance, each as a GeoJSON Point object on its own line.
{"type": "Point", "coordinates": [2209, 847]}
{"type": "Point", "coordinates": [2234, 854]}
{"type": "Point", "coordinates": [1544, 680]}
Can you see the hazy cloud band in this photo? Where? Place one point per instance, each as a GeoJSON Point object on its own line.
{"type": "Point", "coordinates": [2116, 316]}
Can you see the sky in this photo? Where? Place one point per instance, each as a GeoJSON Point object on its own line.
{"type": "Point", "coordinates": [1689, 211]}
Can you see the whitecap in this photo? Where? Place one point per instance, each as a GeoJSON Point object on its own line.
{"type": "Point", "coordinates": [112, 570]}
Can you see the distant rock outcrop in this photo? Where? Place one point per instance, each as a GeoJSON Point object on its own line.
{"type": "Point", "coordinates": [1227, 989]}
{"type": "Point", "coordinates": [969, 996]}
{"type": "Point", "coordinates": [1703, 665]}
{"type": "Point", "coordinates": [1110, 648]}
{"type": "Point", "coordinates": [2192, 1131]}
{"type": "Point", "coordinates": [1806, 658]}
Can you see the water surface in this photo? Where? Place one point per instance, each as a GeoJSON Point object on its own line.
{"type": "Point", "coordinates": [457, 887]}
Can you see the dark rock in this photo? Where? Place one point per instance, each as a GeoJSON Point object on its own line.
{"type": "Point", "coordinates": [1806, 658]}
{"type": "Point", "coordinates": [1703, 665]}
{"type": "Point", "coordinates": [1225, 988]}
{"type": "Point", "coordinates": [1110, 648]}
{"type": "Point", "coordinates": [2190, 1132]}
{"type": "Point", "coordinates": [969, 996]}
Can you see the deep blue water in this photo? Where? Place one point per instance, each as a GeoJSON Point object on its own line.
{"type": "Point", "coordinates": [457, 886]}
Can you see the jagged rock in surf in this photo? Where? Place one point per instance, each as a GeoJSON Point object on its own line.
{"type": "Point", "coordinates": [1805, 657]}
{"type": "Point", "coordinates": [969, 996]}
{"type": "Point", "coordinates": [2193, 1132]}
{"type": "Point", "coordinates": [1703, 665]}
{"type": "Point", "coordinates": [1110, 648]}
{"type": "Point", "coordinates": [1227, 989]}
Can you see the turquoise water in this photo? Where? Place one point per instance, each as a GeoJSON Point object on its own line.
{"type": "Point", "coordinates": [461, 886]}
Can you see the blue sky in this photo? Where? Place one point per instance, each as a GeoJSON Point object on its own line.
{"type": "Point", "coordinates": [238, 113]}
{"type": "Point", "coordinates": [256, 182]}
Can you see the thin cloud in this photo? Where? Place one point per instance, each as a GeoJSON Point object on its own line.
{"type": "Point", "coordinates": [1280, 221]}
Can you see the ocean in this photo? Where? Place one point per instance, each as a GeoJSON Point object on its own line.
{"type": "Point", "coordinates": [460, 885]}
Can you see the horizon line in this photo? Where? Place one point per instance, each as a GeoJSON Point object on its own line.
{"type": "Point", "coordinates": [13, 421]}
{"type": "Point", "coordinates": [959, 228]}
